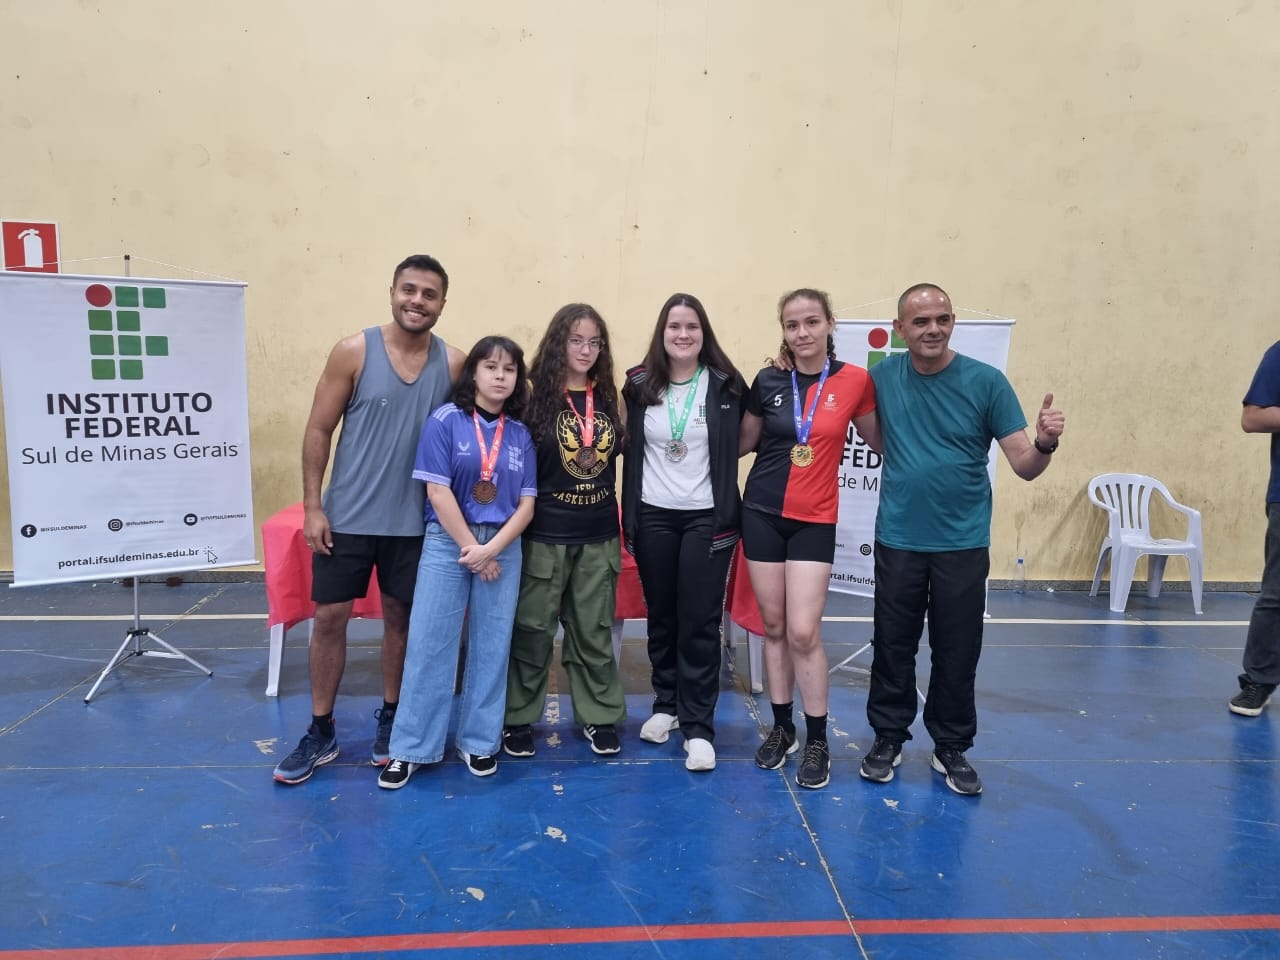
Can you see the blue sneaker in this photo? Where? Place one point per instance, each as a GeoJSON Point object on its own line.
{"type": "Point", "coordinates": [382, 739]}
{"type": "Point", "coordinates": [313, 750]}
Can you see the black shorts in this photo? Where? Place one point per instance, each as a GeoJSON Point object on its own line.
{"type": "Point", "coordinates": [769, 538]}
{"type": "Point", "coordinates": [344, 574]}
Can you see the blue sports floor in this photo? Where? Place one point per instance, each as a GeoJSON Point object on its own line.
{"type": "Point", "coordinates": [1126, 813]}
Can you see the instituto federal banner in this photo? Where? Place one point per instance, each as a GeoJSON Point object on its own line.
{"type": "Point", "coordinates": [866, 343]}
{"type": "Point", "coordinates": [127, 426]}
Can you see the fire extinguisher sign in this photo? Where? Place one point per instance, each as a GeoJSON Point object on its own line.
{"type": "Point", "coordinates": [30, 245]}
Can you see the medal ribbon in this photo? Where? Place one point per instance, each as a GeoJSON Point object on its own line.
{"type": "Point", "coordinates": [489, 458]}
{"type": "Point", "coordinates": [678, 425]}
{"type": "Point", "coordinates": [588, 424]}
{"type": "Point", "coordinates": [803, 428]}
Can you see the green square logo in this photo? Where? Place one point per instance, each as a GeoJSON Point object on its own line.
{"type": "Point", "coordinates": [879, 351]}
{"type": "Point", "coordinates": [126, 321]}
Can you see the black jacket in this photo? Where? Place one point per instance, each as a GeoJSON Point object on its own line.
{"type": "Point", "coordinates": [724, 418]}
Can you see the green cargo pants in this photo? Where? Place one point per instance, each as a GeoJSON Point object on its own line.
{"type": "Point", "coordinates": [573, 585]}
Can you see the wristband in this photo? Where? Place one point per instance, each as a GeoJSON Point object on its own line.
{"type": "Point", "coordinates": [1045, 450]}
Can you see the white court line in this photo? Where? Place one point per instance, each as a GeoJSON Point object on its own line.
{"type": "Point", "coordinates": [1079, 623]}
{"type": "Point", "coordinates": [1050, 621]}
{"type": "Point", "coordinates": [122, 617]}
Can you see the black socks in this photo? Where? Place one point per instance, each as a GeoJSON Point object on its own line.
{"type": "Point", "coordinates": [323, 725]}
{"type": "Point", "coordinates": [782, 716]}
{"type": "Point", "coordinates": [815, 729]}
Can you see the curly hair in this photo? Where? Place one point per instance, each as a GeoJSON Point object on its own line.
{"type": "Point", "coordinates": [822, 300]}
{"type": "Point", "coordinates": [464, 394]}
{"type": "Point", "coordinates": [657, 365]}
{"type": "Point", "coordinates": [548, 371]}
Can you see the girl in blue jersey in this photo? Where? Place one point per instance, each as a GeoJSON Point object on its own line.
{"type": "Point", "coordinates": [477, 460]}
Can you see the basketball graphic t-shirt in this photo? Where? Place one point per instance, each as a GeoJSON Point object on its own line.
{"type": "Point", "coordinates": [576, 478]}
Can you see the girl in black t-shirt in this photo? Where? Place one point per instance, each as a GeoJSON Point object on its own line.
{"type": "Point", "coordinates": [571, 554]}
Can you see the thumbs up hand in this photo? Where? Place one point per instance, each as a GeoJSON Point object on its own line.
{"type": "Point", "coordinates": [1049, 422]}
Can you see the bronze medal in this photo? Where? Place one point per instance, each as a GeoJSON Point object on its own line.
{"type": "Point", "coordinates": [485, 490]}
{"type": "Point", "coordinates": [677, 450]}
{"type": "Point", "coordinates": [586, 455]}
{"type": "Point", "coordinates": [802, 454]}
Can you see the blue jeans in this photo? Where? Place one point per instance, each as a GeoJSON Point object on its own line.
{"type": "Point", "coordinates": [446, 590]}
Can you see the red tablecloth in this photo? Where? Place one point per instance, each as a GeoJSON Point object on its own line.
{"type": "Point", "coordinates": [288, 570]}
{"type": "Point", "coordinates": [739, 599]}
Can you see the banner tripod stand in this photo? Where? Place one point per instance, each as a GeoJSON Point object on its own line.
{"type": "Point", "coordinates": [133, 646]}
{"type": "Point", "coordinates": [846, 663]}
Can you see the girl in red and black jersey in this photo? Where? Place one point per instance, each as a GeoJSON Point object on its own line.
{"type": "Point", "coordinates": [797, 420]}
{"type": "Point", "coordinates": [571, 552]}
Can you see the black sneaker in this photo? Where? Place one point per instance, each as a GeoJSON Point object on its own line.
{"type": "Point", "coordinates": [396, 774]}
{"type": "Point", "coordinates": [518, 741]}
{"type": "Point", "coordinates": [481, 766]}
{"type": "Point", "coordinates": [777, 746]}
{"type": "Point", "coordinates": [815, 766]}
{"type": "Point", "coordinates": [961, 777]}
{"type": "Point", "coordinates": [313, 750]}
{"type": "Point", "coordinates": [382, 739]}
{"type": "Point", "coordinates": [880, 760]}
{"type": "Point", "coordinates": [603, 738]}
{"type": "Point", "coordinates": [1251, 698]}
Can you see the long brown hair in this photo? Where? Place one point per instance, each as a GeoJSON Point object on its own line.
{"type": "Point", "coordinates": [549, 369]}
{"type": "Point", "coordinates": [657, 364]}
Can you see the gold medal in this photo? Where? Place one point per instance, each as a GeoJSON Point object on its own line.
{"type": "Point", "coordinates": [802, 453]}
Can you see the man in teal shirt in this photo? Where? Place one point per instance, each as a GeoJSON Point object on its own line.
{"type": "Point", "coordinates": [939, 411]}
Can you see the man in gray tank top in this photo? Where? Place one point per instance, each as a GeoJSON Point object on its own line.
{"type": "Point", "coordinates": [381, 384]}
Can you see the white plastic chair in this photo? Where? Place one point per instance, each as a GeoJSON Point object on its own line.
{"type": "Point", "coordinates": [1127, 497]}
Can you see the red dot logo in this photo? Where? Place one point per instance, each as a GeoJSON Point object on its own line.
{"type": "Point", "coordinates": [98, 295]}
{"type": "Point", "coordinates": [878, 337]}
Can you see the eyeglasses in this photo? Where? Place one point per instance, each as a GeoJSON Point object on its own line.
{"type": "Point", "coordinates": [577, 343]}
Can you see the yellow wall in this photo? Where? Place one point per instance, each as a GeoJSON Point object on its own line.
{"type": "Point", "coordinates": [1101, 171]}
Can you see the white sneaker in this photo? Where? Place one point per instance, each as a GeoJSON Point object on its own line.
{"type": "Point", "coordinates": [702, 755]}
{"type": "Point", "coordinates": [658, 727]}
